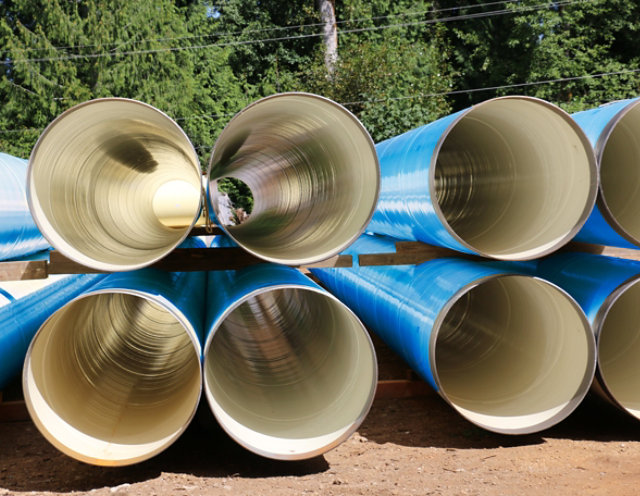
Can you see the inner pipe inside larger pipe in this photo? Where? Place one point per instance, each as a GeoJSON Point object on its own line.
{"type": "Point", "coordinates": [514, 178]}
{"type": "Point", "coordinates": [114, 184]}
{"type": "Point", "coordinates": [620, 173]}
{"type": "Point", "coordinates": [514, 354]}
{"type": "Point", "coordinates": [619, 349]}
{"type": "Point", "coordinates": [112, 379]}
{"type": "Point", "coordinates": [313, 172]}
{"type": "Point", "coordinates": [290, 373]}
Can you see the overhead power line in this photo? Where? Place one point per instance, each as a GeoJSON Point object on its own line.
{"type": "Point", "coordinates": [477, 15]}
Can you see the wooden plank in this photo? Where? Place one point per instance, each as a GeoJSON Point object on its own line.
{"type": "Point", "coordinates": [412, 252]}
{"type": "Point", "coordinates": [402, 388]}
{"type": "Point", "coordinates": [18, 271]}
{"type": "Point", "coordinates": [610, 251]}
{"type": "Point", "coordinates": [13, 411]}
{"type": "Point", "coordinates": [202, 231]}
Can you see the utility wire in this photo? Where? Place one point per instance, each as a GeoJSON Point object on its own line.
{"type": "Point", "coordinates": [409, 97]}
{"type": "Point", "coordinates": [303, 36]}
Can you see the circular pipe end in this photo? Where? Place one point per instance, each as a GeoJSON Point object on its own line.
{"type": "Point", "coordinates": [113, 377]}
{"type": "Point", "coordinates": [618, 152]}
{"type": "Point", "coordinates": [513, 178]}
{"type": "Point", "coordinates": [289, 372]}
{"type": "Point", "coordinates": [618, 337]}
{"type": "Point", "coordinates": [313, 172]}
{"type": "Point", "coordinates": [513, 354]}
{"type": "Point", "coordinates": [114, 184]}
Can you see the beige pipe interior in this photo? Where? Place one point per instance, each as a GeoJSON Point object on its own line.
{"type": "Point", "coordinates": [112, 379]}
{"type": "Point", "coordinates": [620, 173]}
{"type": "Point", "coordinates": [313, 172]}
{"type": "Point", "coordinates": [290, 373]}
{"type": "Point", "coordinates": [515, 178]}
{"type": "Point", "coordinates": [619, 350]}
{"type": "Point", "coordinates": [114, 184]}
{"type": "Point", "coordinates": [514, 355]}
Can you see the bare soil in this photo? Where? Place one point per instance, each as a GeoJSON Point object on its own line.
{"type": "Point", "coordinates": [406, 446]}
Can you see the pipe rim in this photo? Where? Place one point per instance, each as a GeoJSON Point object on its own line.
{"type": "Point", "coordinates": [598, 323]}
{"type": "Point", "coordinates": [304, 260]}
{"type": "Point", "coordinates": [527, 254]}
{"type": "Point", "coordinates": [53, 439]}
{"type": "Point", "coordinates": [570, 406]}
{"type": "Point", "coordinates": [599, 148]}
{"type": "Point", "coordinates": [45, 227]}
{"type": "Point", "coordinates": [257, 449]}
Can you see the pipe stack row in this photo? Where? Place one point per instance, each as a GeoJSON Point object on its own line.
{"type": "Point", "coordinates": [288, 369]}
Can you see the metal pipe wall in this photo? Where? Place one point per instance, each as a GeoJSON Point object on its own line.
{"type": "Point", "coordinates": [114, 377]}
{"type": "Point", "coordinates": [608, 291]}
{"type": "Point", "coordinates": [114, 184]}
{"type": "Point", "coordinates": [21, 318]}
{"type": "Point", "coordinates": [511, 353]}
{"type": "Point", "coordinates": [511, 178]}
{"type": "Point", "coordinates": [19, 234]}
{"type": "Point", "coordinates": [289, 370]}
{"type": "Point", "coordinates": [313, 172]}
{"type": "Point", "coordinates": [613, 130]}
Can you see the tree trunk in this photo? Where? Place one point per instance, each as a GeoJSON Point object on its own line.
{"type": "Point", "coordinates": [330, 33]}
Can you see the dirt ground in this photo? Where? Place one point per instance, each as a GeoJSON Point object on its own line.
{"type": "Point", "coordinates": [405, 446]}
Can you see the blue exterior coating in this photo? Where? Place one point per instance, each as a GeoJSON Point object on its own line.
{"type": "Point", "coordinates": [405, 208]}
{"type": "Point", "coordinates": [401, 303]}
{"type": "Point", "coordinates": [589, 278]}
{"type": "Point", "coordinates": [19, 234]}
{"type": "Point", "coordinates": [21, 319]}
{"type": "Point", "coordinates": [597, 125]}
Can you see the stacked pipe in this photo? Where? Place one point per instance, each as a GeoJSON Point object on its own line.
{"type": "Point", "coordinates": [289, 371]}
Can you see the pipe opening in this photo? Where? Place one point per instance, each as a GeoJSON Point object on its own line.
{"type": "Point", "coordinates": [114, 184]}
{"type": "Point", "coordinates": [313, 172]}
{"type": "Point", "coordinates": [515, 178]}
{"type": "Point", "coordinates": [235, 201]}
{"type": "Point", "coordinates": [514, 355]}
{"type": "Point", "coordinates": [112, 379]}
{"type": "Point", "coordinates": [290, 373]}
{"type": "Point", "coordinates": [620, 174]}
{"type": "Point", "coordinates": [619, 349]}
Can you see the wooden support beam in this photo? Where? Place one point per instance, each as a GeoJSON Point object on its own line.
{"type": "Point", "coordinates": [18, 271]}
{"type": "Point", "coordinates": [412, 252]}
{"type": "Point", "coordinates": [402, 388]}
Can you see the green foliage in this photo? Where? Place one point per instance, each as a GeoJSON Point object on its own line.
{"type": "Point", "coordinates": [239, 193]}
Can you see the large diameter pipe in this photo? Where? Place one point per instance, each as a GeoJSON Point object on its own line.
{"type": "Point", "coordinates": [19, 234]}
{"type": "Point", "coordinates": [614, 132]}
{"type": "Point", "coordinates": [608, 289]}
{"type": "Point", "coordinates": [24, 312]}
{"type": "Point", "coordinates": [114, 184]}
{"type": "Point", "coordinates": [289, 371]}
{"type": "Point", "coordinates": [511, 353]}
{"type": "Point", "coordinates": [312, 170]}
{"type": "Point", "coordinates": [511, 178]}
{"type": "Point", "coordinates": [114, 376]}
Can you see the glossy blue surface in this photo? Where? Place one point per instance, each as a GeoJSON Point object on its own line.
{"type": "Point", "coordinates": [589, 278]}
{"type": "Point", "coordinates": [596, 125]}
{"type": "Point", "coordinates": [401, 303]}
{"type": "Point", "coordinates": [21, 319]}
{"type": "Point", "coordinates": [405, 208]}
{"type": "Point", "coordinates": [18, 232]}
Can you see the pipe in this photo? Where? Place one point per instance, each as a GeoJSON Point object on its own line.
{"type": "Point", "coordinates": [608, 290]}
{"type": "Point", "coordinates": [312, 170]}
{"type": "Point", "coordinates": [510, 352]}
{"type": "Point", "coordinates": [511, 178]}
{"type": "Point", "coordinates": [114, 376]}
{"type": "Point", "coordinates": [21, 317]}
{"type": "Point", "coordinates": [19, 234]}
{"type": "Point", "coordinates": [114, 184]}
{"type": "Point", "coordinates": [289, 370]}
{"type": "Point", "coordinates": [614, 131]}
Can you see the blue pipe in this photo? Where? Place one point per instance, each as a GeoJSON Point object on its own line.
{"type": "Point", "coordinates": [21, 318]}
{"type": "Point", "coordinates": [608, 291]}
{"type": "Point", "coordinates": [289, 371]}
{"type": "Point", "coordinates": [510, 352]}
{"type": "Point", "coordinates": [19, 234]}
{"type": "Point", "coordinates": [613, 130]}
{"type": "Point", "coordinates": [511, 178]}
{"type": "Point", "coordinates": [114, 377]}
